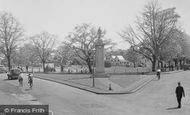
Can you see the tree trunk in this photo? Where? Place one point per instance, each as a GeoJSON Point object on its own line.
{"type": "Point", "coordinates": [43, 66]}
{"type": "Point", "coordinates": [88, 61]}
{"type": "Point", "coordinates": [89, 68]}
{"type": "Point", "coordinates": [61, 68]}
{"type": "Point", "coordinates": [169, 65]}
{"type": "Point", "coordinates": [162, 65]}
{"type": "Point", "coordinates": [134, 64]}
{"type": "Point", "coordinates": [9, 62]}
{"type": "Point", "coordinates": [154, 63]}
{"type": "Point", "coordinates": [180, 63]}
{"type": "Point", "coordinates": [89, 65]}
{"type": "Point", "coordinates": [158, 64]}
{"type": "Point", "coordinates": [184, 61]}
{"type": "Point", "coordinates": [175, 63]}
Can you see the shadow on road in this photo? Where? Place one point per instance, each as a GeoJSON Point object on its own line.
{"type": "Point", "coordinates": [171, 108]}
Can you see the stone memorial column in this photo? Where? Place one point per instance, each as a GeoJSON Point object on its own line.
{"type": "Point", "coordinates": [100, 69]}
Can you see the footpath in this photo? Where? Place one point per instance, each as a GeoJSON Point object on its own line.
{"type": "Point", "coordinates": [11, 94]}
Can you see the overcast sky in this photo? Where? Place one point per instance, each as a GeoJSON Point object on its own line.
{"type": "Point", "coordinates": [61, 16]}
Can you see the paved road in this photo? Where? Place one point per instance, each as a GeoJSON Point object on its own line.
{"type": "Point", "coordinates": [154, 99]}
{"type": "Point", "coordinates": [158, 97]}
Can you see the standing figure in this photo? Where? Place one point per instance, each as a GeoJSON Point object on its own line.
{"type": "Point", "coordinates": [20, 80]}
{"type": "Point", "coordinates": [179, 93]}
{"type": "Point", "coordinates": [30, 80]}
{"type": "Point", "coordinates": [158, 73]}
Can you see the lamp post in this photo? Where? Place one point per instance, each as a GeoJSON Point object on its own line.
{"type": "Point", "coordinates": [93, 71]}
{"type": "Point", "coordinates": [93, 80]}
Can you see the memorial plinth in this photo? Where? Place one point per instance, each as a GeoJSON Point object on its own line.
{"type": "Point", "coordinates": [99, 58]}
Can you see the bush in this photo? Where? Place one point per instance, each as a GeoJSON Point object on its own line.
{"type": "Point", "coordinates": [107, 64]}
{"type": "Point", "coordinates": [186, 67]}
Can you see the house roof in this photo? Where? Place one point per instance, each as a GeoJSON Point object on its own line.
{"type": "Point", "coordinates": [113, 56]}
{"type": "Point", "coordinates": [121, 58]}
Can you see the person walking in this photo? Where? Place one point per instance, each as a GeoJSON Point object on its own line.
{"type": "Point", "coordinates": [30, 80]}
{"type": "Point", "coordinates": [179, 93]}
{"type": "Point", "coordinates": [158, 73]}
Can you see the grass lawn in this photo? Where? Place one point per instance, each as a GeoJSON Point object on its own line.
{"type": "Point", "coordinates": [125, 80]}
{"type": "Point", "coordinates": [84, 79]}
{"type": "Point", "coordinates": [89, 81]}
{"type": "Point", "coordinates": [63, 76]}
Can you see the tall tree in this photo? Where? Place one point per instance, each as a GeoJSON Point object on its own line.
{"type": "Point", "coordinates": [82, 40]}
{"type": "Point", "coordinates": [25, 56]}
{"type": "Point", "coordinates": [17, 58]}
{"type": "Point", "coordinates": [44, 44]}
{"type": "Point", "coordinates": [185, 43]}
{"type": "Point", "coordinates": [132, 56]}
{"type": "Point", "coordinates": [155, 27]}
{"type": "Point", "coordinates": [172, 48]}
{"type": "Point", "coordinates": [63, 55]}
{"type": "Point", "coordinates": [11, 33]}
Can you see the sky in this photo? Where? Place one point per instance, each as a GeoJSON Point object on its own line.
{"type": "Point", "coordinates": [61, 16]}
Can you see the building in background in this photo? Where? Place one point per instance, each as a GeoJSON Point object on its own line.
{"type": "Point", "coordinates": [117, 60]}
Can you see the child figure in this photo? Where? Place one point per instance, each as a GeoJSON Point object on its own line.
{"type": "Point", "coordinates": [30, 80]}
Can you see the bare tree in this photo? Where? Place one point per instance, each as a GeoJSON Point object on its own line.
{"type": "Point", "coordinates": [82, 40]}
{"type": "Point", "coordinates": [155, 27]}
{"type": "Point", "coordinates": [185, 45]}
{"type": "Point", "coordinates": [173, 48]}
{"type": "Point", "coordinates": [25, 56]}
{"type": "Point", "coordinates": [17, 58]}
{"type": "Point", "coordinates": [44, 44]}
{"type": "Point", "coordinates": [63, 55]}
{"type": "Point", "coordinates": [132, 56]}
{"type": "Point", "coordinates": [11, 33]}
